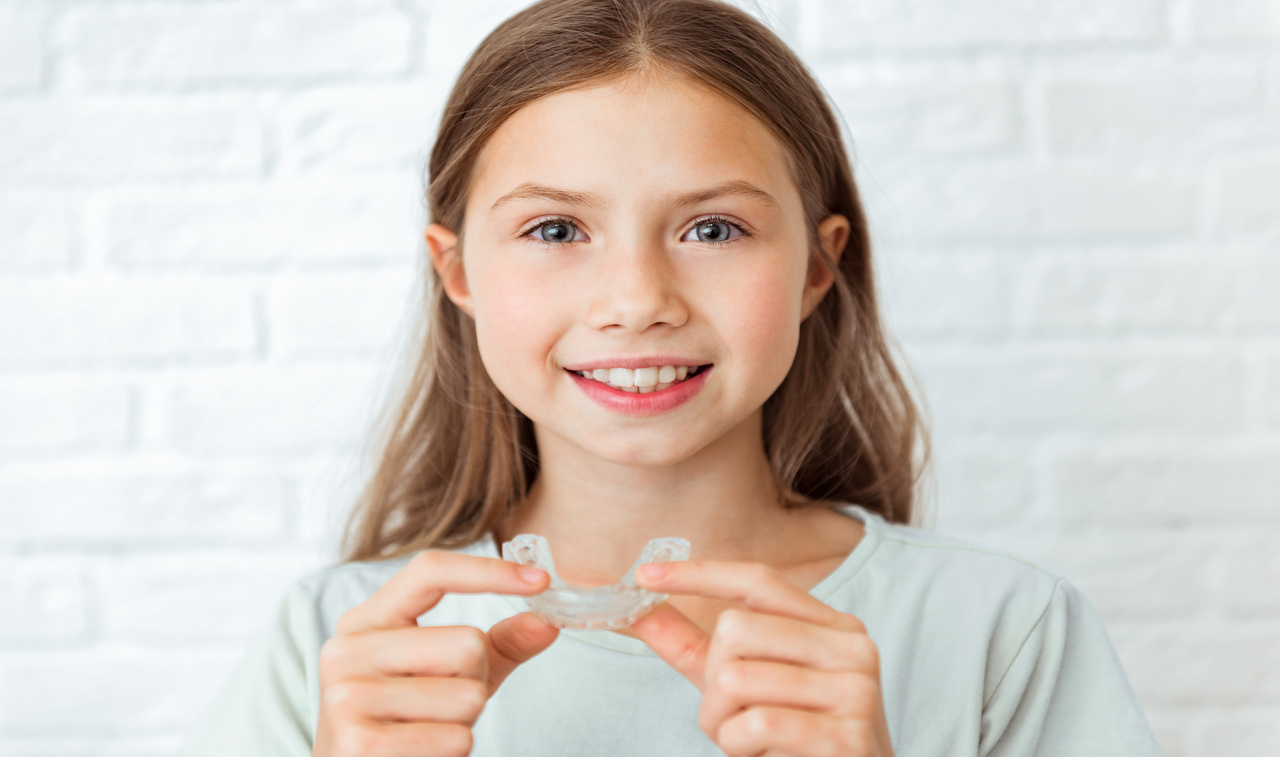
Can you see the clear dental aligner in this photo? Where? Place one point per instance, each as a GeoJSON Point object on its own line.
{"type": "Point", "coordinates": [600, 607]}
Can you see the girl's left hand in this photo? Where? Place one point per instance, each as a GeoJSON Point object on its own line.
{"type": "Point", "coordinates": [789, 675]}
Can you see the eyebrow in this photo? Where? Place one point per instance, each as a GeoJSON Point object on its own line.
{"type": "Point", "coordinates": [739, 188]}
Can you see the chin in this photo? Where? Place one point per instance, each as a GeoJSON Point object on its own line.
{"type": "Point", "coordinates": [644, 452]}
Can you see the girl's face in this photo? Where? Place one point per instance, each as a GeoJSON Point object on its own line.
{"type": "Point", "coordinates": [586, 241]}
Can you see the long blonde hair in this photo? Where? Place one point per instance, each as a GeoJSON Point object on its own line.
{"type": "Point", "coordinates": [455, 457]}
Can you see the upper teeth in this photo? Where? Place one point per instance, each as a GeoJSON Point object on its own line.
{"type": "Point", "coordinates": [643, 380]}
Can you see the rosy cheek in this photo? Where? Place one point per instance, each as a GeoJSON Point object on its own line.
{"type": "Point", "coordinates": [762, 313]}
{"type": "Point", "coordinates": [512, 324]}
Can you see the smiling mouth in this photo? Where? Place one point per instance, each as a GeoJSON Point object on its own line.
{"type": "Point", "coordinates": [643, 380]}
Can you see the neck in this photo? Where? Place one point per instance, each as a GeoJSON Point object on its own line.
{"type": "Point", "coordinates": [598, 515]}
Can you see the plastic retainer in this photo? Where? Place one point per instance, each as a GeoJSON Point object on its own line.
{"type": "Point", "coordinates": [598, 608]}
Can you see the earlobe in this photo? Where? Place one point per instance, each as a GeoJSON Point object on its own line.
{"type": "Point", "coordinates": [442, 245]}
{"type": "Point", "coordinates": [833, 234]}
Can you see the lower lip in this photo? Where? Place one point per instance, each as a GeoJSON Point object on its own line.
{"type": "Point", "coordinates": [635, 403]}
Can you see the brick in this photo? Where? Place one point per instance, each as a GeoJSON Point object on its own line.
{"type": "Point", "coordinates": [1236, 20]}
{"type": "Point", "coordinates": [1130, 576]}
{"type": "Point", "coordinates": [133, 43]}
{"type": "Point", "coordinates": [42, 600]}
{"type": "Point", "coordinates": [1152, 489]}
{"type": "Point", "coordinates": [1086, 298]}
{"type": "Point", "coordinates": [340, 314]}
{"type": "Point", "coordinates": [1250, 584]}
{"type": "Point", "coordinates": [1247, 732]}
{"type": "Point", "coordinates": [455, 29]}
{"type": "Point", "coordinates": [1253, 306]}
{"type": "Point", "coordinates": [1271, 393]}
{"type": "Point", "coordinates": [90, 142]}
{"type": "Point", "coordinates": [897, 112]}
{"type": "Point", "coordinates": [323, 495]}
{"type": "Point", "coordinates": [1045, 391]}
{"type": "Point", "coordinates": [177, 599]}
{"type": "Point", "coordinates": [108, 691]}
{"type": "Point", "coordinates": [1181, 665]}
{"type": "Point", "coordinates": [21, 46]}
{"type": "Point", "coordinates": [946, 24]}
{"type": "Point", "coordinates": [304, 410]}
{"type": "Point", "coordinates": [1168, 108]}
{"type": "Point", "coordinates": [38, 233]}
{"type": "Point", "coordinates": [140, 508]}
{"type": "Point", "coordinates": [156, 746]}
{"type": "Point", "coordinates": [1150, 297]}
{"type": "Point", "coordinates": [40, 417]}
{"type": "Point", "coordinates": [982, 485]}
{"type": "Point", "coordinates": [79, 321]}
{"type": "Point", "coordinates": [251, 227]}
{"type": "Point", "coordinates": [346, 130]}
{"type": "Point", "coordinates": [1003, 202]}
{"type": "Point", "coordinates": [946, 296]}
{"type": "Point", "coordinates": [1249, 196]}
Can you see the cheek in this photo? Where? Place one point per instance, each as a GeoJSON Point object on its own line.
{"type": "Point", "coordinates": [759, 317]}
{"type": "Point", "coordinates": [515, 326]}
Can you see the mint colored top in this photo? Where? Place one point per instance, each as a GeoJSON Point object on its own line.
{"type": "Point", "coordinates": [982, 653]}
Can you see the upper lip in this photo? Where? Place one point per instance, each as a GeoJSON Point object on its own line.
{"type": "Point", "coordinates": [636, 362]}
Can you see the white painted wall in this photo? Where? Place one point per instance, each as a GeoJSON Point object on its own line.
{"type": "Point", "coordinates": [209, 227]}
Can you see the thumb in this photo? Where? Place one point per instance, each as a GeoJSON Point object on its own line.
{"type": "Point", "coordinates": [514, 641]}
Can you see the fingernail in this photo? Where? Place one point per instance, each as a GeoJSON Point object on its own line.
{"type": "Point", "coordinates": [653, 572]}
{"type": "Point", "coordinates": [531, 575]}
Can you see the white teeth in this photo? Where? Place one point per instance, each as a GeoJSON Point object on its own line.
{"type": "Point", "coordinates": [641, 380]}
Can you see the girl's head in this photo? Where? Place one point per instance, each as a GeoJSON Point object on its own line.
{"type": "Point", "coordinates": [622, 178]}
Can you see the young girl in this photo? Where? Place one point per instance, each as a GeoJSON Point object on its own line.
{"type": "Point", "coordinates": [652, 314]}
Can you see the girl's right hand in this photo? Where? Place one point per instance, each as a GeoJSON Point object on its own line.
{"type": "Point", "coordinates": [389, 687]}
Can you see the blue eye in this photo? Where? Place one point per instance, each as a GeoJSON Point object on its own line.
{"type": "Point", "coordinates": [715, 230]}
{"type": "Point", "coordinates": [554, 232]}
{"type": "Point", "coordinates": [712, 230]}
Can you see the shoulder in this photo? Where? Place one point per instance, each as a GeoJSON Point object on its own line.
{"type": "Point", "coordinates": [986, 607]}
{"type": "Point", "coordinates": [936, 551]}
{"type": "Point", "coordinates": [936, 577]}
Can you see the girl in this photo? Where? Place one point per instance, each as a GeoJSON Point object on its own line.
{"type": "Point", "coordinates": [653, 314]}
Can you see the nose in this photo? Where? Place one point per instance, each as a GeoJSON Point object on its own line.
{"type": "Point", "coordinates": [638, 286]}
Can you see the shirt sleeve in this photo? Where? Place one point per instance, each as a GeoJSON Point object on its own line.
{"type": "Point", "coordinates": [1065, 694]}
{"type": "Point", "coordinates": [264, 707]}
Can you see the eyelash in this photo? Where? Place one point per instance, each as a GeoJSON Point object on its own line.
{"type": "Point", "coordinates": [570, 222]}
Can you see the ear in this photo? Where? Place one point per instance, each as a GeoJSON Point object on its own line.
{"type": "Point", "coordinates": [442, 244]}
{"type": "Point", "coordinates": [833, 234]}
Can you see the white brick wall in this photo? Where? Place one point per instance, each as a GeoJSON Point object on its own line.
{"type": "Point", "coordinates": [209, 232]}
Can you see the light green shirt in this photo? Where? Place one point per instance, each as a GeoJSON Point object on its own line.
{"type": "Point", "coordinates": [981, 654]}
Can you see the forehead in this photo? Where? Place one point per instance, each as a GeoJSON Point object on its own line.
{"type": "Point", "coordinates": [639, 135]}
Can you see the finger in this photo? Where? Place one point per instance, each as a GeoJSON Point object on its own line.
{"type": "Point", "coordinates": [794, 733]}
{"type": "Point", "coordinates": [515, 640]}
{"type": "Point", "coordinates": [676, 640]}
{"type": "Point", "coordinates": [428, 651]}
{"type": "Point", "coordinates": [745, 635]}
{"type": "Point", "coordinates": [743, 684]}
{"type": "Point", "coordinates": [434, 700]}
{"type": "Point", "coordinates": [402, 739]}
{"type": "Point", "coordinates": [759, 587]}
{"type": "Point", "coordinates": [428, 577]}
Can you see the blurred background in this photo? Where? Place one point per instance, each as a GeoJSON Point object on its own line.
{"type": "Point", "coordinates": [210, 233]}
